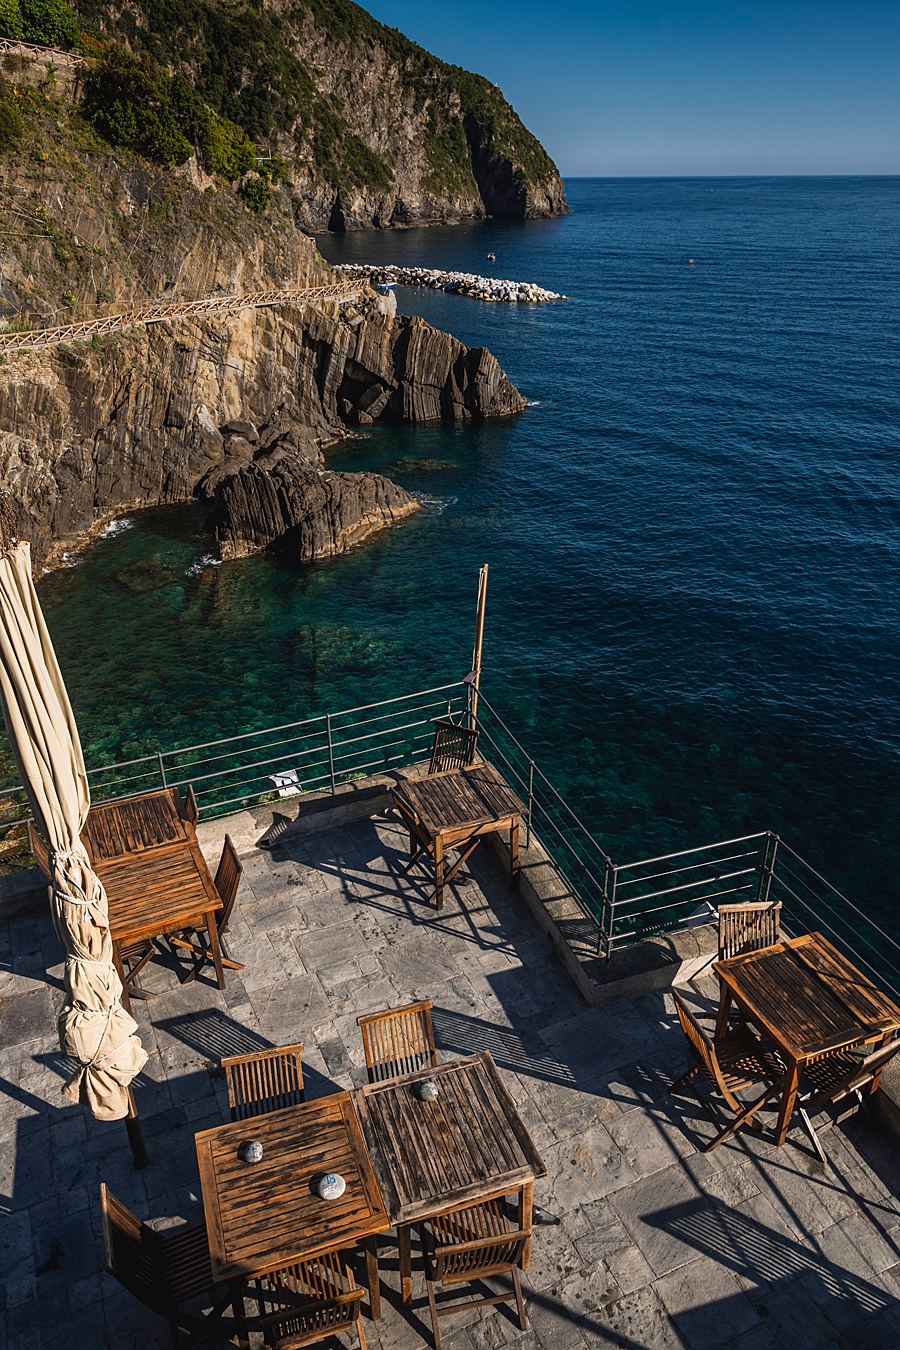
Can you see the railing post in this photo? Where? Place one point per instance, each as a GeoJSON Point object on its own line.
{"type": "Point", "coordinates": [767, 867]}
{"type": "Point", "coordinates": [530, 800]}
{"type": "Point", "coordinates": [162, 768]}
{"type": "Point", "coordinates": [330, 751]}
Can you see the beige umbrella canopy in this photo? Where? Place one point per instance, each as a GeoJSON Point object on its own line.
{"type": "Point", "coordinates": [94, 1028]}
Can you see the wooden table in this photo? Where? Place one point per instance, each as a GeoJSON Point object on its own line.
{"type": "Point", "coordinates": [808, 999]}
{"type": "Point", "coordinates": [145, 851]}
{"type": "Point", "coordinates": [264, 1215]}
{"type": "Point", "coordinates": [456, 809]}
{"type": "Point", "coordinates": [137, 823]}
{"type": "Point", "coordinates": [469, 1144]}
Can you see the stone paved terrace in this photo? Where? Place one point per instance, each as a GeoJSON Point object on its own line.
{"type": "Point", "coordinates": [659, 1245]}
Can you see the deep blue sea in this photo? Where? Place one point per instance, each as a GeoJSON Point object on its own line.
{"type": "Point", "coordinates": [692, 531]}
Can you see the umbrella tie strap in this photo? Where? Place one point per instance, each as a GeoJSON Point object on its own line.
{"type": "Point", "coordinates": [89, 961]}
{"type": "Point", "coordinates": [101, 1059]}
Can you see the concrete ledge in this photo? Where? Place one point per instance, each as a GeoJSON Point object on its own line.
{"type": "Point", "coordinates": [885, 1104]}
{"type": "Point", "coordinates": [655, 963]}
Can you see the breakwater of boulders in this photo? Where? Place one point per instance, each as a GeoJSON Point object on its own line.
{"type": "Point", "coordinates": [457, 283]}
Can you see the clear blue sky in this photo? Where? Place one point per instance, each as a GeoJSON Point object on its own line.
{"type": "Point", "coordinates": [643, 87]}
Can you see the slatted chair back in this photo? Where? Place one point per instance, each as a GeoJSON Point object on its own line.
{"type": "Point", "coordinates": [191, 809]}
{"type": "Point", "coordinates": [473, 1243]}
{"type": "Point", "coordinates": [161, 1269]}
{"type": "Point", "coordinates": [748, 927]}
{"type": "Point", "coordinates": [264, 1081]}
{"type": "Point", "coordinates": [321, 1300]}
{"type": "Point", "coordinates": [228, 877]}
{"type": "Point", "coordinates": [830, 1078]}
{"type": "Point", "coordinates": [39, 850]}
{"type": "Point", "coordinates": [454, 747]}
{"type": "Point", "coordinates": [398, 1040]}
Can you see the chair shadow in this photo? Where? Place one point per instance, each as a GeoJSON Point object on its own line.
{"type": "Point", "coordinates": [754, 1251]}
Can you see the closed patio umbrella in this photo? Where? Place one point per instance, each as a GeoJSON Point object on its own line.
{"type": "Point", "coordinates": [93, 1026]}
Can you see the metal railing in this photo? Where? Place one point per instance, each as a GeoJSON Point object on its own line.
{"type": "Point", "coordinates": [316, 753]}
{"type": "Point", "coordinates": [628, 902]}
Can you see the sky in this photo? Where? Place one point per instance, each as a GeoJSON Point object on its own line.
{"type": "Point", "coordinates": [613, 88]}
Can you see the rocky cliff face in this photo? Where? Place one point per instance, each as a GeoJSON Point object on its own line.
{"type": "Point", "coordinates": [91, 432]}
{"type": "Point", "coordinates": [375, 130]}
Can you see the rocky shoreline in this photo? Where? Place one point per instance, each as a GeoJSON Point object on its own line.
{"type": "Point", "coordinates": [489, 289]}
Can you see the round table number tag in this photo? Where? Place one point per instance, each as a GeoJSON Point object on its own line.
{"type": "Point", "coordinates": [251, 1152]}
{"type": "Point", "coordinates": [332, 1186]}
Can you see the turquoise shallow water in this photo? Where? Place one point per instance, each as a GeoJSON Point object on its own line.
{"type": "Point", "coordinates": [693, 533]}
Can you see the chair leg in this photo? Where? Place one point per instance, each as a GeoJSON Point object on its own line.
{"type": "Point", "coordinates": [360, 1332]}
{"type": "Point", "coordinates": [681, 1081]}
{"type": "Point", "coordinates": [742, 1118]}
{"type": "Point", "coordinates": [520, 1302]}
{"type": "Point", "coordinates": [429, 1284]}
{"type": "Point", "coordinates": [808, 1126]}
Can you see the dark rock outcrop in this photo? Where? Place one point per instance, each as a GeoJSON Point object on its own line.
{"type": "Point", "coordinates": [91, 432]}
{"type": "Point", "coordinates": [301, 511]}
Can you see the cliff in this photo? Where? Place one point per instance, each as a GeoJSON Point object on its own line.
{"type": "Point", "coordinates": [372, 129]}
{"type": "Point", "coordinates": [91, 432]}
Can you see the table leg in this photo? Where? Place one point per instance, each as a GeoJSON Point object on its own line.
{"type": "Point", "coordinates": [514, 851]}
{"type": "Point", "coordinates": [788, 1098]}
{"type": "Point", "coordinates": [439, 872]}
{"type": "Point", "coordinates": [216, 950]}
{"type": "Point", "coordinates": [404, 1249]}
{"type": "Point", "coordinates": [526, 1207]}
{"type": "Point", "coordinates": [370, 1245]}
{"type": "Point", "coordinates": [242, 1331]}
{"type": "Point", "coordinates": [724, 1009]}
{"type": "Point", "coordinates": [120, 971]}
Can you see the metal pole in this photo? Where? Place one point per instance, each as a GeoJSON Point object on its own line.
{"type": "Point", "coordinates": [530, 797]}
{"type": "Point", "coordinates": [479, 642]}
{"type": "Point", "coordinates": [136, 1135]}
{"type": "Point", "coordinates": [330, 751]}
{"type": "Point", "coordinates": [162, 768]}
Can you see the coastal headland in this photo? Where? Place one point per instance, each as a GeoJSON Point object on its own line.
{"type": "Point", "coordinates": [199, 193]}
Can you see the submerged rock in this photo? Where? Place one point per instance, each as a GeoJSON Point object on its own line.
{"type": "Point", "coordinates": [300, 511]}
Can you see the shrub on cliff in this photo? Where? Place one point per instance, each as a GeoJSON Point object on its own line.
{"type": "Point", "coordinates": [49, 21]}
{"type": "Point", "coordinates": [11, 25]}
{"type": "Point", "coordinates": [10, 126]}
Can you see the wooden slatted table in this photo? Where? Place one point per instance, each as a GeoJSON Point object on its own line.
{"type": "Point", "coordinates": [145, 851]}
{"type": "Point", "coordinates": [469, 1144]}
{"type": "Point", "coordinates": [264, 1215]}
{"type": "Point", "coordinates": [456, 809]}
{"type": "Point", "coordinates": [808, 999]}
{"type": "Point", "coordinates": [137, 823]}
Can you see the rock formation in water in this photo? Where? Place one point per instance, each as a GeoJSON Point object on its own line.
{"type": "Point", "coordinates": [90, 432]}
{"type": "Point", "coordinates": [300, 511]}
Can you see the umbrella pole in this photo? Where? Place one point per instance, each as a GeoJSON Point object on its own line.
{"type": "Point", "coordinates": [136, 1135]}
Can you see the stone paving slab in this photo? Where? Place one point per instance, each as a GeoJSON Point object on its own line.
{"type": "Point", "coordinates": [659, 1245]}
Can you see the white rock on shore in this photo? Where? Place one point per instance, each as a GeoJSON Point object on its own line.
{"type": "Point", "coordinates": [458, 283]}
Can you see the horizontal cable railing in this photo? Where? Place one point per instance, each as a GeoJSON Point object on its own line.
{"type": "Point", "coordinates": [626, 902]}
{"type": "Point", "coordinates": [566, 839]}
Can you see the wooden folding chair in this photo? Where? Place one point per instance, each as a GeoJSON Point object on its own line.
{"type": "Point", "coordinates": [264, 1081]}
{"type": "Point", "coordinates": [454, 747]}
{"type": "Point", "coordinates": [731, 1064]}
{"type": "Point", "coordinates": [227, 880]}
{"type": "Point", "coordinates": [467, 1245]}
{"type": "Point", "coordinates": [838, 1079]}
{"type": "Point", "coordinates": [315, 1299]}
{"type": "Point", "coordinates": [38, 848]}
{"type": "Point", "coordinates": [161, 1269]}
{"type": "Point", "coordinates": [746, 928]}
{"type": "Point", "coordinates": [398, 1040]}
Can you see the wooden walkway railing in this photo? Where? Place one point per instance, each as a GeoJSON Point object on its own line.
{"type": "Point", "coordinates": [176, 309]}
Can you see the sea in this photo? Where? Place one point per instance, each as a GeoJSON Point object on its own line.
{"type": "Point", "coordinates": [692, 531]}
